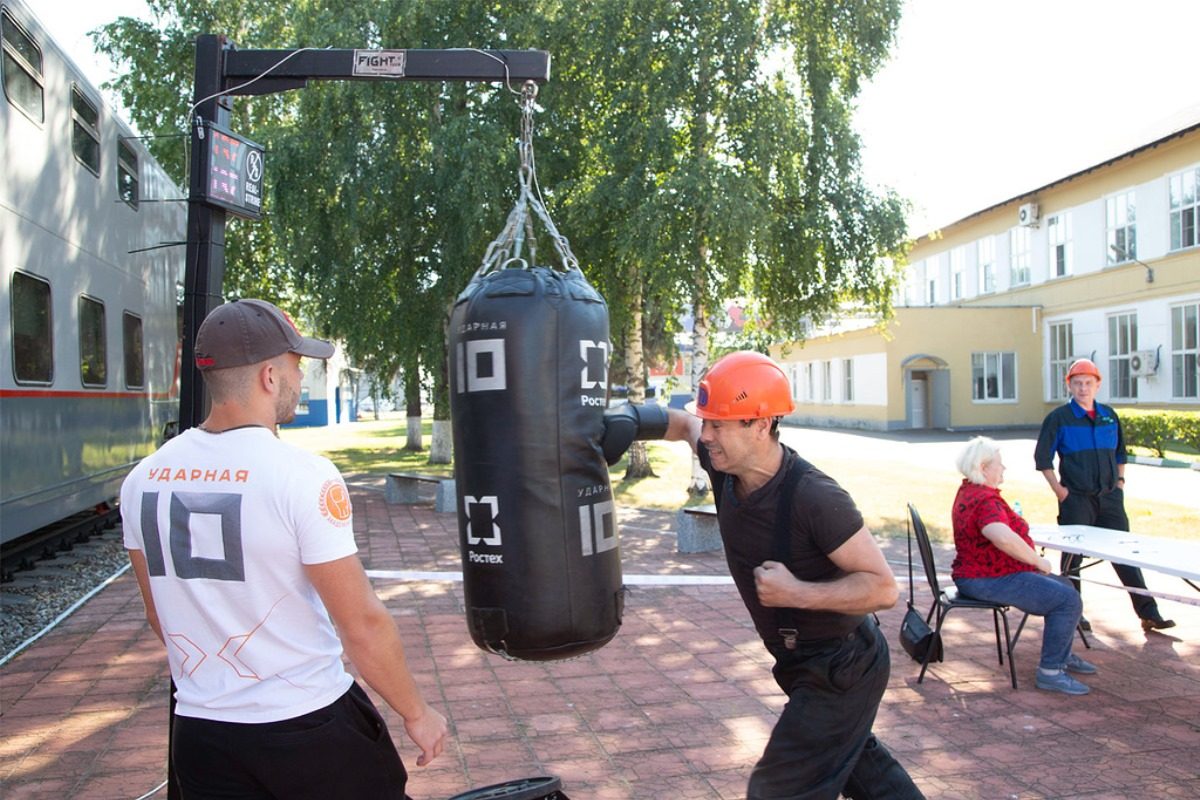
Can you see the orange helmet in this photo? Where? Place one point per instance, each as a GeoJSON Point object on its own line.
{"type": "Point", "coordinates": [744, 385]}
{"type": "Point", "coordinates": [1083, 366]}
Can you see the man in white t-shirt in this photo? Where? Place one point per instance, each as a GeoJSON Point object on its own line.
{"type": "Point", "coordinates": [244, 552]}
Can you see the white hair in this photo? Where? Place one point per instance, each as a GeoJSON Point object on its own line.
{"type": "Point", "coordinates": [978, 452]}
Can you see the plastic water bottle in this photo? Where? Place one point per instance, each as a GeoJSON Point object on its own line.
{"type": "Point", "coordinates": [1017, 508]}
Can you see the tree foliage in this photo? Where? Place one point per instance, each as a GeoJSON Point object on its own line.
{"type": "Point", "coordinates": [691, 150]}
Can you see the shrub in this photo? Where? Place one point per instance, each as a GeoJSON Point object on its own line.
{"type": "Point", "coordinates": [1187, 428]}
{"type": "Point", "coordinates": [1156, 430]}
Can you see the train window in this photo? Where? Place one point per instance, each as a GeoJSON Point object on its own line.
{"type": "Point", "coordinates": [85, 130]}
{"type": "Point", "coordinates": [22, 68]}
{"type": "Point", "coordinates": [127, 174]}
{"type": "Point", "coordinates": [33, 342]}
{"type": "Point", "coordinates": [93, 355]}
{"type": "Point", "coordinates": [135, 361]}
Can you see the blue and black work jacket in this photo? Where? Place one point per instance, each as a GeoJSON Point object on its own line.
{"type": "Point", "coordinates": [1088, 449]}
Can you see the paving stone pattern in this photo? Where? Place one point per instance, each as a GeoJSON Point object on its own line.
{"type": "Point", "coordinates": [677, 706]}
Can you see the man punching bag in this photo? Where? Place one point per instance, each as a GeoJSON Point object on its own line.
{"type": "Point", "coordinates": [529, 373]}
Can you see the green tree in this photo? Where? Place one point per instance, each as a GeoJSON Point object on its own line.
{"type": "Point", "coordinates": [383, 196]}
{"type": "Point", "coordinates": [705, 174]}
{"type": "Point", "coordinates": [692, 150]}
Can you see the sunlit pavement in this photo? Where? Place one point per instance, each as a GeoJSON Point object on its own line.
{"type": "Point", "coordinates": [938, 449]}
{"type": "Point", "coordinates": [677, 706]}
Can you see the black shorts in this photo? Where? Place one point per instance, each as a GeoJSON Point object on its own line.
{"type": "Point", "coordinates": [341, 750]}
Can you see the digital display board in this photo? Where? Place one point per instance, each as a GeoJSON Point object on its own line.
{"type": "Point", "coordinates": [231, 171]}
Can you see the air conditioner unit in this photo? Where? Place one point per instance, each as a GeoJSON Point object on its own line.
{"type": "Point", "coordinates": [1143, 363]}
{"type": "Point", "coordinates": [1027, 215]}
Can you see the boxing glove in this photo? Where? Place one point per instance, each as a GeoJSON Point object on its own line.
{"type": "Point", "coordinates": [627, 423]}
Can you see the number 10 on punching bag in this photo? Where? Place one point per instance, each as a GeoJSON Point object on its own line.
{"type": "Point", "coordinates": [529, 350]}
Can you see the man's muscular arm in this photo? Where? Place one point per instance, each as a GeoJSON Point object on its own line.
{"type": "Point", "coordinates": [868, 585]}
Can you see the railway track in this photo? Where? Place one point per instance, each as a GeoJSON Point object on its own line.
{"type": "Point", "coordinates": [45, 574]}
{"type": "Point", "coordinates": [47, 543]}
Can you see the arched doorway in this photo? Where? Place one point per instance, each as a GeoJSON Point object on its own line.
{"type": "Point", "coordinates": [926, 391]}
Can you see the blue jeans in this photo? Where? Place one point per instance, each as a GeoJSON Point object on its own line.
{"type": "Point", "coordinates": [1049, 596]}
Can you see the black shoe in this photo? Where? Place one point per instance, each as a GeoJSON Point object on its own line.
{"type": "Point", "coordinates": [1084, 625]}
{"type": "Point", "coordinates": [1157, 623]}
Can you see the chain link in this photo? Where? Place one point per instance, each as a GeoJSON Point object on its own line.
{"type": "Point", "coordinates": [505, 251]}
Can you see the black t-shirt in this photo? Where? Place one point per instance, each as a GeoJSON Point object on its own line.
{"type": "Point", "coordinates": [824, 518]}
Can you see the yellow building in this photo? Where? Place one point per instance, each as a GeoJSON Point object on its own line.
{"type": "Point", "coordinates": [1103, 263]}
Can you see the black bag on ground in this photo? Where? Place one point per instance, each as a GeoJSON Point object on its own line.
{"type": "Point", "coordinates": [916, 637]}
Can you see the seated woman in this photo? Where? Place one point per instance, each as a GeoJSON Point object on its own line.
{"type": "Point", "coordinates": [996, 561]}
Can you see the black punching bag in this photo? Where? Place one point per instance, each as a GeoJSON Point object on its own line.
{"type": "Point", "coordinates": [529, 377]}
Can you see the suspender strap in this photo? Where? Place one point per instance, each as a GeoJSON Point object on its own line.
{"type": "Point", "coordinates": [718, 482]}
{"type": "Point", "coordinates": [783, 536]}
{"type": "Point", "coordinates": [784, 617]}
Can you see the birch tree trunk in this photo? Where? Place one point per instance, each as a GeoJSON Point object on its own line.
{"type": "Point", "coordinates": [635, 361]}
{"type": "Point", "coordinates": [441, 448]}
{"type": "Point", "coordinates": [699, 483]}
{"type": "Point", "coordinates": [412, 404]}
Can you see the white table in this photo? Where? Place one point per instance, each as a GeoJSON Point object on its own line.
{"type": "Point", "coordinates": [1178, 557]}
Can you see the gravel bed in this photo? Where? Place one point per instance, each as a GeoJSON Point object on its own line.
{"type": "Point", "coordinates": [34, 598]}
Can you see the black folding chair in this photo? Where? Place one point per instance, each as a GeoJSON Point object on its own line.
{"type": "Point", "coordinates": [947, 600]}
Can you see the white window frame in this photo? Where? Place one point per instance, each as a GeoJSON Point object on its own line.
{"type": "Point", "coordinates": [914, 277]}
{"type": "Point", "coordinates": [1061, 336]}
{"type": "Point", "coordinates": [986, 250]}
{"type": "Point", "coordinates": [997, 369]}
{"type": "Point", "coordinates": [93, 342]}
{"type": "Point", "coordinates": [827, 381]}
{"type": "Point", "coordinates": [133, 350]}
{"type": "Point", "coordinates": [848, 380]}
{"type": "Point", "coordinates": [128, 175]}
{"type": "Point", "coordinates": [16, 50]}
{"type": "Point", "coordinates": [1185, 351]}
{"type": "Point", "coordinates": [1184, 208]}
{"type": "Point", "coordinates": [32, 328]}
{"type": "Point", "coordinates": [1122, 341]}
{"type": "Point", "coordinates": [85, 130]}
{"type": "Point", "coordinates": [1020, 250]}
{"type": "Point", "coordinates": [809, 381]}
{"type": "Point", "coordinates": [1058, 234]}
{"type": "Point", "coordinates": [958, 268]}
{"type": "Point", "coordinates": [1120, 228]}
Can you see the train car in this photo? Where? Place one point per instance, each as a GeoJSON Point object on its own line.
{"type": "Point", "coordinates": [91, 271]}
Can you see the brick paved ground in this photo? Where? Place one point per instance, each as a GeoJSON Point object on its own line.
{"type": "Point", "coordinates": [677, 706]}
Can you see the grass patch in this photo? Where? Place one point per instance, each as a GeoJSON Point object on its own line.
{"type": "Point", "coordinates": [1183, 453]}
{"type": "Point", "coordinates": [881, 488]}
{"type": "Point", "coordinates": [373, 447]}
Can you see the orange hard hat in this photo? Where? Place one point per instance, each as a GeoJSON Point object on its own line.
{"type": "Point", "coordinates": [1083, 366]}
{"type": "Point", "coordinates": [744, 385]}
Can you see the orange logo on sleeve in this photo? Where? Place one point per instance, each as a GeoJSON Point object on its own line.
{"type": "Point", "coordinates": [335, 503]}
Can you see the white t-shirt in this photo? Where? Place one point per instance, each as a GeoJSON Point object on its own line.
{"type": "Point", "coordinates": [226, 522]}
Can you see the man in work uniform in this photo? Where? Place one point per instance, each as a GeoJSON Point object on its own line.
{"type": "Point", "coordinates": [1090, 488]}
{"type": "Point", "coordinates": [811, 576]}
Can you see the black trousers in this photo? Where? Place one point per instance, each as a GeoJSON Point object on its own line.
{"type": "Point", "coordinates": [1105, 510]}
{"type": "Point", "coordinates": [342, 750]}
{"type": "Point", "coordinates": [822, 745]}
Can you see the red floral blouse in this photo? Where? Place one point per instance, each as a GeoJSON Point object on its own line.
{"type": "Point", "coordinates": [976, 506]}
